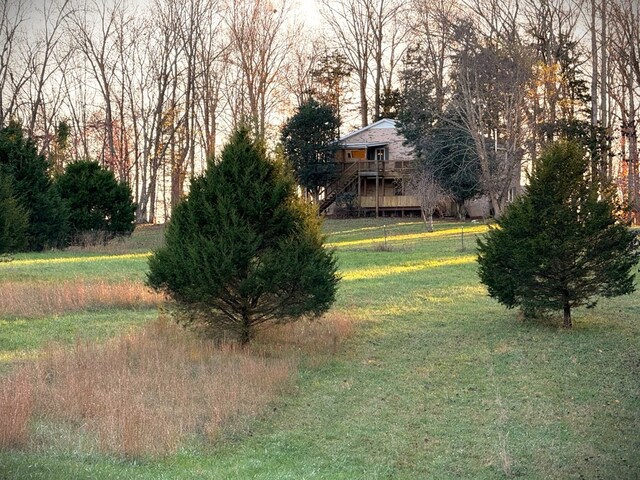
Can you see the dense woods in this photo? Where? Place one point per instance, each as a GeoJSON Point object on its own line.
{"type": "Point", "coordinates": [151, 89]}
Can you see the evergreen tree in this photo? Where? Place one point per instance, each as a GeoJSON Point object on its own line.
{"type": "Point", "coordinates": [13, 219]}
{"type": "Point", "coordinates": [443, 147]}
{"type": "Point", "coordinates": [99, 206]}
{"type": "Point", "coordinates": [242, 249]}
{"type": "Point", "coordinates": [448, 152]}
{"type": "Point", "coordinates": [560, 245]}
{"type": "Point", "coordinates": [309, 143]}
{"type": "Point", "coordinates": [329, 81]}
{"type": "Point", "coordinates": [33, 189]}
{"type": "Point", "coordinates": [390, 103]}
{"type": "Point", "coordinates": [455, 159]}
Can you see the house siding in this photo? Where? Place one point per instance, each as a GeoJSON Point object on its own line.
{"type": "Point", "coordinates": [396, 151]}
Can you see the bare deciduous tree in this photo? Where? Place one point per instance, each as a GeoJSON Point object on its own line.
{"type": "Point", "coordinates": [95, 31]}
{"type": "Point", "coordinates": [261, 38]}
{"type": "Point", "coordinates": [389, 33]}
{"type": "Point", "coordinates": [42, 66]}
{"type": "Point", "coordinates": [330, 77]}
{"type": "Point", "coordinates": [371, 34]}
{"type": "Point", "coordinates": [625, 41]}
{"type": "Point", "coordinates": [430, 194]}
{"type": "Point", "coordinates": [432, 29]}
{"type": "Point", "coordinates": [352, 34]}
{"type": "Point", "coordinates": [13, 69]}
{"type": "Point", "coordinates": [493, 70]}
{"type": "Point", "coordinates": [557, 94]}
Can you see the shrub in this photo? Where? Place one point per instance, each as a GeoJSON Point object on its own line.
{"type": "Point", "coordinates": [242, 249]}
{"type": "Point", "coordinates": [560, 245]}
{"type": "Point", "coordinates": [100, 207]}
{"type": "Point", "coordinates": [347, 205]}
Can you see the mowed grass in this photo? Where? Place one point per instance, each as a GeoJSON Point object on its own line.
{"type": "Point", "coordinates": [438, 381]}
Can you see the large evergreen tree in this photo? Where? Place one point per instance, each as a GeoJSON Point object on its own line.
{"type": "Point", "coordinates": [33, 189]}
{"type": "Point", "coordinates": [242, 249]}
{"type": "Point", "coordinates": [99, 206]}
{"type": "Point", "coordinates": [561, 244]}
{"type": "Point", "coordinates": [309, 143]}
{"type": "Point", "coordinates": [448, 153]}
{"type": "Point", "coordinates": [443, 147]}
{"type": "Point", "coordinates": [13, 219]}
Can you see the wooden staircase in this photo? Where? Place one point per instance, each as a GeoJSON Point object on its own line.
{"type": "Point", "coordinates": [348, 179]}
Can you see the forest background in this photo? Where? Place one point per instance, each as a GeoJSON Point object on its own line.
{"type": "Point", "coordinates": [151, 89]}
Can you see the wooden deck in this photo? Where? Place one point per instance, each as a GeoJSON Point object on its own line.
{"type": "Point", "coordinates": [367, 168]}
{"type": "Point", "coordinates": [390, 201]}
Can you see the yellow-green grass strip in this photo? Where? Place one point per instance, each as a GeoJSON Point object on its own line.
{"type": "Point", "coordinates": [36, 261]}
{"type": "Point", "coordinates": [387, 270]}
{"type": "Point", "coordinates": [411, 236]}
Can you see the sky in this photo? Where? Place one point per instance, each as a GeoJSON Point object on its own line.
{"type": "Point", "coordinates": [309, 12]}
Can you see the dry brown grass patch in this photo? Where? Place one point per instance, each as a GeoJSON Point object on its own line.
{"type": "Point", "coordinates": [147, 392]}
{"type": "Point", "coordinates": [16, 407]}
{"type": "Point", "coordinates": [37, 299]}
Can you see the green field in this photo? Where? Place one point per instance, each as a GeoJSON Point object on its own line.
{"type": "Point", "coordinates": [438, 381]}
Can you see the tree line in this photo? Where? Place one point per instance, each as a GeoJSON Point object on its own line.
{"type": "Point", "coordinates": [489, 85]}
{"type": "Point", "coordinates": [83, 204]}
{"type": "Point", "coordinates": [150, 89]}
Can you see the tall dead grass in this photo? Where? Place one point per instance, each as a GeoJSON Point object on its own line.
{"type": "Point", "coordinates": [36, 299]}
{"type": "Point", "coordinates": [147, 392]}
{"type": "Point", "coordinates": [315, 338]}
{"type": "Point", "coordinates": [16, 407]}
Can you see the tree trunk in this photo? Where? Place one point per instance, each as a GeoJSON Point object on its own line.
{"type": "Point", "coordinates": [594, 66]}
{"type": "Point", "coordinates": [364, 105]}
{"type": "Point", "coordinates": [605, 174]}
{"type": "Point", "coordinates": [178, 175]}
{"type": "Point", "coordinates": [632, 171]}
{"type": "Point", "coordinates": [567, 316]}
{"type": "Point", "coordinates": [245, 330]}
{"type": "Point", "coordinates": [594, 87]}
{"type": "Point", "coordinates": [426, 221]}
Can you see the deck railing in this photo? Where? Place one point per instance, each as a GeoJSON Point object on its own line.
{"type": "Point", "coordinates": [369, 167]}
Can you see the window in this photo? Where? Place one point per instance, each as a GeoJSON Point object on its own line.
{"type": "Point", "coordinates": [349, 154]}
{"type": "Point", "coordinates": [380, 154]}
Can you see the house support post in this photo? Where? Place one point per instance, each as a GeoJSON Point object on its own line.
{"type": "Point", "coordinates": [359, 193]}
{"type": "Point", "coordinates": [377, 188]}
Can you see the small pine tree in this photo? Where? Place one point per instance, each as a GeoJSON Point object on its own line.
{"type": "Point", "coordinates": [33, 189]}
{"type": "Point", "coordinates": [242, 249]}
{"type": "Point", "coordinates": [560, 245]}
{"type": "Point", "coordinates": [13, 219]}
{"type": "Point", "coordinates": [99, 206]}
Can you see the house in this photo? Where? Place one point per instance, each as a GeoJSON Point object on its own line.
{"type": "Point", "coordinates": [374, 165]}
{"type": "Point", "coordinates": [374, 168]}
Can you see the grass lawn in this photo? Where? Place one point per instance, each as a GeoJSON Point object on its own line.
{"type": "Point", "coordinates": [438, 381]}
